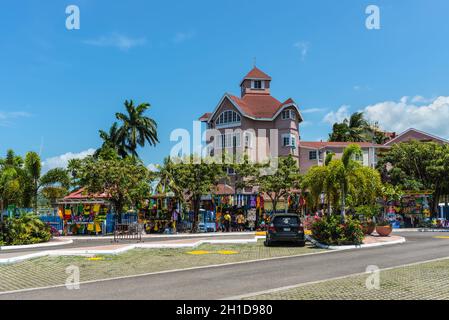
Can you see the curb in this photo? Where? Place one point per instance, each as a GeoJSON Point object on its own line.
{"type": "Point", "coordinates": [38, 245]}
{"type": "Point", "coordinates": [433, 230]}
{"type": "Point", "coordinates": [181, 235]}
{"type": "Point", "coordinates": [361, 246]}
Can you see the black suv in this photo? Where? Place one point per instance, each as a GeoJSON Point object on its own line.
{"type": "Point", "coordinates": [285, 228]}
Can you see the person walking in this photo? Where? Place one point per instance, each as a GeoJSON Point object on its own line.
{"type": "Point", "coordinates": [241, 222]}
{"type": "Point", "coordinates": [227, 221]}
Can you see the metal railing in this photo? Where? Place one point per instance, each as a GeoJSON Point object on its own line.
{"type": "Point", "coordinates": [128, 231]}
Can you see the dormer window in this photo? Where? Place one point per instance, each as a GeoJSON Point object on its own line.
{"type": "Point", "coordinates": [288, 114]}
{"type": "Point", "coordinates": [257, 84]}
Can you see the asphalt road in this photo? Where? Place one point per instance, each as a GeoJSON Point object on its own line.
{"type": "Point", "coordinates": [233, 280]}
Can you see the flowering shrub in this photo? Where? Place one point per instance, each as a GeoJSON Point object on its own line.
{"type": "Point", "coordinates": [329, 230]}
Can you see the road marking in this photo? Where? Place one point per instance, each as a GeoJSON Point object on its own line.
{"type": "Point", "coordinates": [441, 237]}
{"type": "Point", "coordinates": [258, 293]}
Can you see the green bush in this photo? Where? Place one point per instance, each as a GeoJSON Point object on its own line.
{"type": "Point", "coordinates": [27, 229]}
{"type": "Point", "coordinates": [329, 230]}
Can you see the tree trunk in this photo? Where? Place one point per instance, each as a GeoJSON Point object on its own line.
{"type": "Point", "coordinates": [196, 210]}
{"type": "Point", "coordinates": [435, 203]}
{"type": "Point", "coordinates": [343, 205]}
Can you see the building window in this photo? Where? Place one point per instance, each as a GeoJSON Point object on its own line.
{"type": "Point", "coordinates": [248, 140]}
{"type": "Point", "coordinates": [228, 140]}
{"type": "Point", "coordinates": [257, 84]}
{"type": "Point", "coordinates": [289, 140]}
{"type": "Point", "coordinates": [358, 157]}
{"type": "Point", "coordinates": [227, 117]}
{"type": "Point", "coordinates": [288, 114]}
{"type": "Point", "coordinates": [313, 155]}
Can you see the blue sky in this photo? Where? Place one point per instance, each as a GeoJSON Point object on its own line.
{"type": "Point", "coordinates": [59, 87]}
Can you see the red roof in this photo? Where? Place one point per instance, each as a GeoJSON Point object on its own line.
{"type": "Point", "coordinates": [83, 194]}
{"type": "Point", "coordinates": [224, 189]}
{"type": "Point", "coordinates": [324, 144]}
{"type": "Point", "coordinates": [205, 117]}
{"type": "Point", "coordinates": [259, 105]}
{"type": "Point", "coordinates": [256, 73]}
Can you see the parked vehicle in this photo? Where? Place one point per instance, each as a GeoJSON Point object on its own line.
{"type": "Point", "coordinates": [285, 228]}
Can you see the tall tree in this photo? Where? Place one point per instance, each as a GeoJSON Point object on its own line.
{"type": "Point", "coordinates": [136, 129]}
{"type": "Point", "coordinates": [346, 170]}
{"type": "Point", "coordinates": [33, 169]}
{"type": "Point", "coordinates": [111, 141]}
{"type": "Point", "coordinates": [418, 166]}
{"type": "Point", "coordinates": [354, 129]}
{"type": "Point", "coordinates": [196, 177]}
{"type": "Point", "coordinates": [126, 181]}
{"type": "Point", "coordinates": [280, 183]}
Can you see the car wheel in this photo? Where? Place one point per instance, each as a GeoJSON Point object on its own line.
{"type": "Point", "coordinates": [301, 244]}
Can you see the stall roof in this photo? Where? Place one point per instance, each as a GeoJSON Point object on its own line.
{"type": "Point", "coordinates": [82, 194]}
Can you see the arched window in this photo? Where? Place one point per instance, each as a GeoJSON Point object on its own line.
{"type": "Point", "coordinates": [227, 117]}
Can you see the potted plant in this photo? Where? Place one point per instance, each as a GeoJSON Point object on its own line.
{"type": "Point", "coordinates": [368, 227]}
{"type": "Point", "coordinates": [384, 228]}
{"type": "Point", "coordinates": [367, 214]}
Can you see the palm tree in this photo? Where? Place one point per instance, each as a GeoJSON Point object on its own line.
{"type": "Point", "coordinates": [34, 180]}
{"type": "Point", "coordinates": [357, 127]}
{"type": "Point", "coordinates": [111, 140]}
{"type": "Point", "coordinates": [136, 128]}
{"type": "Point", "coordinates": [167, 178]}
{"type": "Point", "coordinates": [347, 168]}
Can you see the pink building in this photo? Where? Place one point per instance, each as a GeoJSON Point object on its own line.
{"type": "Point", "coordinates": [255, 122]}
{"type": "Point", "coordinates": [414, 134]}
{"type": "Point", "coordinates": [314, 153]}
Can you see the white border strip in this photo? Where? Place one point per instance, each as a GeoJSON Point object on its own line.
{"type": "Point", "coordinates": [38, 245]}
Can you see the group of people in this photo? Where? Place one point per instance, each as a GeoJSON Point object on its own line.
{"type": "Point", "coordinates": [228, 223]}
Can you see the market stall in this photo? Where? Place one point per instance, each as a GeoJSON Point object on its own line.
{"type": "Point", "coordinates": [86, 214]}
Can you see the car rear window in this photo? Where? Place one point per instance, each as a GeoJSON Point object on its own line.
{"type": "Point", "coordinates": [286, 220]}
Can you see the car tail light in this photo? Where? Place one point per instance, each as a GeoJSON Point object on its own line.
{"type": "Point", "coordinates": [301, 228]}
{"type": "Point", "coordinates": [272, 228]}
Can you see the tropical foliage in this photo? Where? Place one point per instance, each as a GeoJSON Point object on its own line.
{"type": "Point", "coordinates": [21, 181]}
{"type": "Point", "coordinates": [281, 182]}
{"type": "Point", "coordinates": [357, 129]}
{"type": "Point", "coordinates": [417, 166]}
{"type": "Point", "coordinates": [344, 182]}
{"type": "Point", "coordinates": [126, 181]}
{"type": "Point", "coordinates": [190, 178]}
{"type": "Point", "coordinates": [331, 231]}
{"type": "Point", "coordinates": [133, 130]}
{"type": "Point", "coordinates": [26, 229]}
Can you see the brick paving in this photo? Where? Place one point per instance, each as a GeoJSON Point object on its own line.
{"type": "Point", "coordinates": [426, 281]}
{"type": "Point", "coordinates": [50, 271]}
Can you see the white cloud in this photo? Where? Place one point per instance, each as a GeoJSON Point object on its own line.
{"type": "Point", "coordinates": [62, 160]}
{"type": "Point", "coordinates": [153, 167]}
{"type": "Point", "coordinates": [117, 40]}
{"type": "Point", "coordinates": [337, 116]}
{"type": "Point", "coordinates": [7, 117]}
{"type": "Point", "coordinates": [313, 110]}
{"type": "Point", "coordinates": [303, 48]}
{"type": "Point", "coordinates": [183, 36]}
{"type": "Point", "coordinates": [432, 116]}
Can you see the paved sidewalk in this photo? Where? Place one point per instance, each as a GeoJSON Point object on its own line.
{"type": "Point", "coordinates": [419, 281]}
